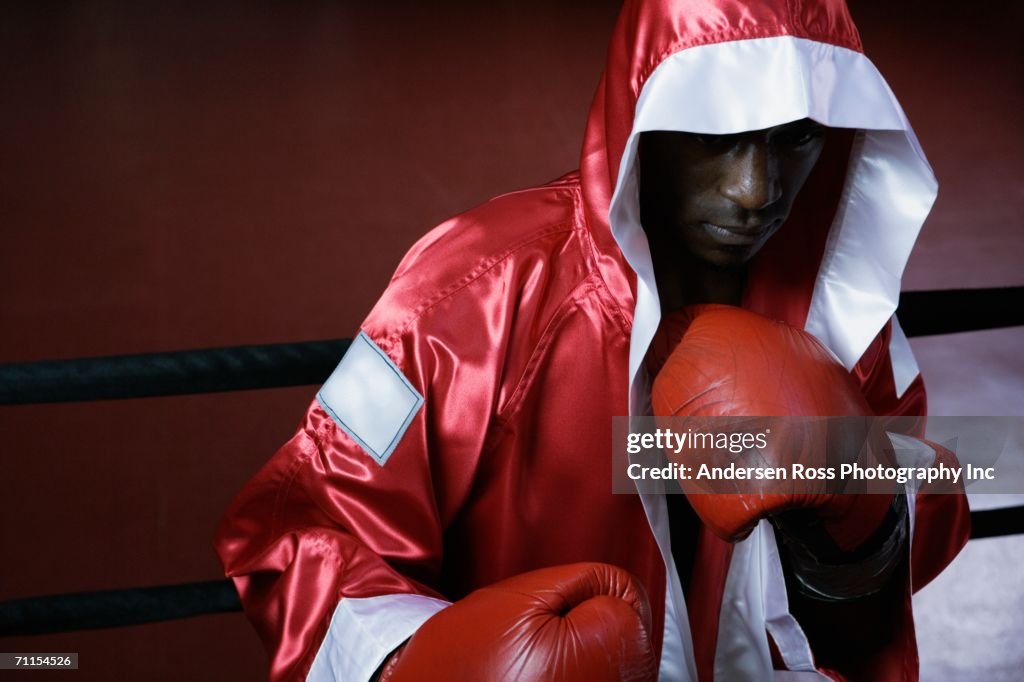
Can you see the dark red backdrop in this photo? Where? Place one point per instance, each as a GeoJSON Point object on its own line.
{"type": "Point", "coordinates": [180, 176]}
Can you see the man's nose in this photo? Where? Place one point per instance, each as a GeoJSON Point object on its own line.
{"type": "Point", "coordinates": [752, 177]}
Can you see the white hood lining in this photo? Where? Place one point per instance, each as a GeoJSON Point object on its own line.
{"type": "Point", "coordinates": [889, 186]}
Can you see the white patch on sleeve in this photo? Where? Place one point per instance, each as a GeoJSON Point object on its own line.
{"type": "Point", "coordinates": [904, 366]}
{"type": "Point", "coordinates": [364, 631]}
{"type": "Point", "coordinates": [370, 399]}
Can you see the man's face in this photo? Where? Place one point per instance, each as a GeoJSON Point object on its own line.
{"type": "Point", "coordinates": [719, 198]}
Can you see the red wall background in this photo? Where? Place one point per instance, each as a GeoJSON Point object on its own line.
{"type": "Point", "coordinates": [186, 175]}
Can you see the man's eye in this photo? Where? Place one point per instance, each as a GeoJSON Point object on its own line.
{"type": "Point", "coordinates": [798, 137]}
{"type": "Point", "coordinates": [716, 141]}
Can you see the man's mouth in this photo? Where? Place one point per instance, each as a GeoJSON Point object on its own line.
{"type": "Point", "coordinates": [734, 235]}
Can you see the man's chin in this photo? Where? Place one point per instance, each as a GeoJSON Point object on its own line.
{"type": "Point", "coordinates": [728, 257]}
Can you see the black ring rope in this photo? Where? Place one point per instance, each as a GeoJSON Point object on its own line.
{"type": "Point", "coordinates": [148, 375]}
{"type": "Point", "coordinates": [115, 608]}
{"type": "Point", "coordinates": [993, 523]}
{"type": "Point", "coordinates": [239, 368]}
{"type": "Point", "coordinates": [951, 311]}
{"type": "Point", "coordinates": [119, 608]}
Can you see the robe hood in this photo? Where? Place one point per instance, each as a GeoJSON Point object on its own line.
{"type": "Point", "coordinates": [724, 66]}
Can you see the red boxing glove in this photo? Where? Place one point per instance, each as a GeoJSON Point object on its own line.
{"type": "Point", "coordinates": [584, 621]}
{"type": "Point", "coordinates": [732, 362]}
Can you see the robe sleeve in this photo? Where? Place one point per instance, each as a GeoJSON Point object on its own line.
{"type": "Point", "coordinates": [892, 383]}
{"type": "Point", "coordinates": [335, 545]}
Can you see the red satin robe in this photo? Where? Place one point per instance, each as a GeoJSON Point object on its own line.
{"type": "Point", "coordinates": [513, 322]}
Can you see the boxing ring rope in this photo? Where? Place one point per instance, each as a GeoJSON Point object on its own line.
{"type": "Point", "coordinates": [187, 372]}
{"type": "Point", "coordinates": [240, 368]}
{"type": "Point", "coordinates": [921, 313]}
{"type": "Point", "coordinates": [115, 608]}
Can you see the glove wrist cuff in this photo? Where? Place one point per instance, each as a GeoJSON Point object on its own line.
{"type": "Point", "coordinates": [823, 572]}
